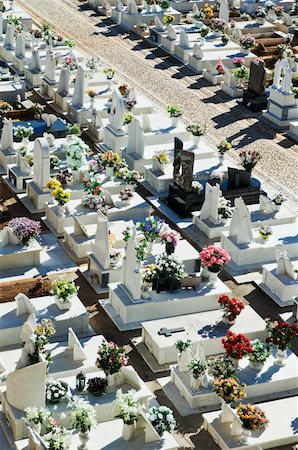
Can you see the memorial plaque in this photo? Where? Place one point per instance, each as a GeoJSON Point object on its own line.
{"type": "Point", "coordinates": [183, 166]}
{"type": "Point", "coordinates": [257, 77]}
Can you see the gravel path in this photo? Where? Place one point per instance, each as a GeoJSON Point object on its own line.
{"type": "Point", "coordinates": [166, 81]}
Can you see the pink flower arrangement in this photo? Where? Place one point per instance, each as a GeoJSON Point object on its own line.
{"type": "Point", "coordinates": [220, 67]}
{"type": "Point", "coordinates": [110, 358]}
{"type": "Point", "coordinates": [238, 62]}
{"type": "Point", "coordinates": [214, 258]}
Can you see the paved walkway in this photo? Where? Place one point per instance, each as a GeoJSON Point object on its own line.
{"type": "Point", "coordinates": [167, 81]}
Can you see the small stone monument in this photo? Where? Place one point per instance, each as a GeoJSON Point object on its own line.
{"type": "Point", "coordinates": [254, 96]}
{"type": "Point", "coordinates": [64, 81]}
{"type": "Point", "coordinates": [9, 40]}
{"type": "Point", "coordinates": [158, 24]}
{"type": "Point", "coordinates": [49, 74]}
{"type": "Point", "coordinates": [266, 206]}
{"type": "Point", "coordinates": [20, 45]}
{"type": "Point", "coordinates": [34, 65]}
{"type": "Point", "coordinates": [78, 99]}
{"type": "Point", "coordinates": [240, 226]}
{"type": "Point", "coordinates": [136, 138]}
{"type": "Point", "coordinates": [171, 34]}
{"type": "Point", "coordinates": [131, 7]}
{"type": "Point", "coordinates": [230, 85]}
{"type": "Point", "coordinates": [116, 116]}
{"type": "Point", "coordinates": [132, 276]}
{"type": "Point", "coordinates": [210, 206]}
{"type": "Point", "coordinates": [197, 52]}
{"type": "Point", "coordinates": [285, 267]}
{"type": "Point", "coordinates": [6, 142]}
{"type": "Point", "coordinates": [224, 10]}
{"type": "Point", "coordinates": [184, 41]}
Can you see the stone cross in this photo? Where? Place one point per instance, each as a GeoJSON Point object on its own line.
{"type": "Point", "coordinates": [116, 116]}
{"type": "Point", "coordinates": [171, 34]}
{"type": "Point", "coordinates": [35, 64]}
{"type": "Point", "coordinates": [49, 73]}
{"type": "Point", "coordinates": [132, 276]}
{"type": "Point", "coordinates": [78, 98]}
{"type": "Point", "coordinates": [20, 45]}
{"type": "Point", "coordinates": [283, 76]}
{"type": "Point", "coordinates": [224, 10]}
{"type": "Point", "coordinates": [183, 40]}
{"type": "Point", "coordinates": [9, 37]}
{"type": "Point", "coordinates": [158, 24]}
{"type": "Point", "coordinates": [41, 166]}
{"type": "Point", "coordinates": [101, 243]}
{"type": "Point", "coordinates": [197, 52]}
{"type": "Point", "coordinates": [168, 332]}
{"type": "Point", "coordinates": [209, 208]}
{"type": "Point", "coordinates": [136, 138]}
{"type": "Point", "coordinates": [6, 142]}
{"type": "Point", "coordinates": [64, 80]}
{"type": "Point", "coordinates": [240, 225]}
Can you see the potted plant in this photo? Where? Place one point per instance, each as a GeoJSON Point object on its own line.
{"type": "Point", "coordinates": [170, 238]}
{"type": "Point", "coordinates": [164, 4]}
{"type": "Point", "coordinates": [76, 151]}
{"type": "Point", "coordinates": [92, 201]}
{"type": "Point", "coordinates": [160, 160]}
{"type": "Point", "coordinates": [169, 273]}
{"type": "Point", "coordinates": [241, 73]}
{"type": "Point", "coordinates": [162, 419]}
{"type": "Point", "coordinates": [236, 345]}
{"type": "Point", "coordinates": [96, 386]}
{"type": "Point", "coordinates": [91, 94]}
{"type": "Point", "coordinates": [109, 72]}
{"type": "Point", "coordinates": [223, 147]}
{"type": "Point", "coordinates": [196, 130]}
{"type": "Point", "coordinates": [174, 112]}
{"type": "Point", "coordinates": [184, 355]}
{"type": "Point", "coordinates": [225, 210]}
{"type": "Point", "coordinates": [260, 15]}
{"type": "Point", "coordinates": [70, 43]}
{"type": "Point", "coordinates": [24, 229]}
{"type": "Point", "coordinates": [204, 31]}
{"type": "Point", "coordinates": [230, 391]}
{"type": "Point", "coordinates": [58, 438]}
{"type": "Point", "coordinates": [36, 417]}
{"type": "Point", "coordinates": [252, 418]}
{"type": "Point", "coordinates": [168, 19]}
{"type": "Point", "coordinates": [249, 159]}
{"type": "Point", "coordinates": [83, 417]}
{"type": "Point", "coordinates": [149, 3]}
{"type": "Point", "coordinates": [214, 258]}
{"type": "Point", "coordinates": [220, 67]}
{"type": "Point", "coordinates": [129, 410]}
{"type": "Point", "coordinates": [238, 62]}
{"type": "Point", "coordinates": [218, 25]}
{"type": "Point", "coordinates": [54, 162]}
{"type": "Point", "coordinates": [64, 291]}
{"type": "Point", "coordinates": [198, 369]}
{"type": "Point", "coordinates": [278, 200]}
{"type": "Point", "coordinates": [265, 232]}
{"type": "Point", "coordinates": [196, 187]}
{"type": "Point", "coordinates": [259, 354]}
{"type": "Point", "coordinates": [110, 160]}
{"type": "Point", "coordinates": [150, 228]}
{"type": "Point", "coordinates": [74, 130]}
{"type": "Point", "coordinates": [280, 335]}
{"type": "Point", "coordinates": [148, 273]}
{"type": "Point", "coordinates": [110, 359]}
{"type": "Point", "coordinates": [247, 42]}
{"type": "Point", "coordinates": [128, 176]}
{"type": "Point", "coordinates": [232, 307]}
{"type": "Point", "coordinates": [23, 133]}
{"type": "Point", "coordinates": [126, 195]}
{"type": "Point", "coordinates": [55, 390]}
{"type": "Point", "coordinates": [62, 198]}
{"type": "Point", "coordinates": [221, 367]}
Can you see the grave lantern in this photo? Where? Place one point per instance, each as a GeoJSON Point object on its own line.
{"type": "Point", "coordinates": [80, 381]}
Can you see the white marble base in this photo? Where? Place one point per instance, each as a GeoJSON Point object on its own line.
{"type": "Point", "coordinates": [213, 79]}
{"type": "Point", "coordinates": [232, 92]}
{"type": "Point", "coordinates": [293, 131]}
{"type": "Point", "coordinates": [266, 384]}
{"type": "Point", "coordinates": [6, 158]}
{"type": "Point", "coordinates": [205, 327]}
{"type": "Point", "coordinates": [19, 256]}
{"type": "Point", "coordinates": [127, 313]}
{"type": "Point", "coordinates": [16, 179]}
{"type": "Point", "coordinates": [280, 430]}
{"type": "Point", "coordinates": [252, 27]}
{"type": "Point", "coordinates": [255, 254]}
{"type": "Point", "coordinates": [280, 288]}
{"type": "Point", "coordinates": [250, 7]}
{"type": "Point", "coordinates": [282, 108]}
{"type": "Point", "coordinates": [128, 21]}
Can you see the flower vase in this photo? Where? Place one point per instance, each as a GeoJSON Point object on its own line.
{"type": "Point", "coordinates": [92, 103]}
{"type": "Point", "coordinates": [213, 278]}
{"type": "Point", "coordinates": [76, 175]}
{"type": "Point", "coordinates": [170, 248]}
{"type": "Point", "coordinates": [109, 171]}
{"type": "Point", "coordinates": [245, 436]}
{"type": "Point", "coordinates": [195, 382]}
{"type": "Point", "coordinates": [184, 359]}
{"type": "Point", "coordinates": [62, 305]}
{"type": "Point", "coordinates": [235, 363]}
{"type": "Point", "coordinates": [36, 427]}
{"type": "Point", "coordinates": [221, 158]}
{"type": "Point", "coordinates": [227, 321]}
{"type": "Point", "coordinates": [84, 438]}
{"type": "Point", "coordinates": [128, 431]}
{"type": "Point", "coordinates": [245, 51]}
{"type": "Point", "coordinates": [111, 383]}
{"type": "Point", "coordinates": [196, 140]}
{"type": "Point", "coordinates": [61, 210]}
{"type": "Point", "coordinates": [256, 365]}
{"type": "Point", "coordinates": [175, 121]}
{"type": "Point", "coordinates": [260, 21]}
{"type": "Point", "coordinates": [25, 142]}
{"type": "Point", "coordinates": [226, 413]}
{"type": "Point", "coordinates": [149, 248]}
{"type": "Point", "coordinates": [148, 8]}
{"type": "Point", "coordinates": [277, 207]}
{"type": "Point", "coordinates": [280, 359]}
{"type": "Point", "coordinates": [205, 273]}
{"type": "Point", "coordinates": [217, 33]}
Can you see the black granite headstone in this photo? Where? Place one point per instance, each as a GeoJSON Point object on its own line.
{"type": "Point", "coordinates": [255, 96]}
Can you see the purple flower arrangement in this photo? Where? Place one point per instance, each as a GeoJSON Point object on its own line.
{"type": "Point", "coordinates": [247, 41]}
{"type": "Point", "coordinates": [25, 229]}
{"type": "Point", "coordinates": [151, 228]}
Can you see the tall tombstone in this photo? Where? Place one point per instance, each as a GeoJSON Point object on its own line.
{"type": "Point", "coordinates": [64, 81]}
{"type": "Point", "coordinates": [101, 243]}
{"type": "Point", "coordinates": [20, 45]}
{"type": "Point", "coordinates": [116, 116]}
{"type": "Point", "coordinates": [283, 76]}
{"type": "Point", "coordinates": [183, 166]}
{"type": "Point", "coordinates": [6, 142]}
{"type": "Point", "coordinates": [197, 52]}
{"type": "Point", "coordinates": [132, 277]}
{"type": "Point", "coordinates": [209, 208]}
{"type": "Point", "coordinates": [146, 124]}
{"type": "Point", "coordinates": [240, 226]}
{"type": "Point", "coordinates": [41, 166]}
{"type": "Point", "coordinates": [224, 10]}
{"type": "Point", "coordinates": [49, 73]}
{"type": "Point", "coordinates": [78, 98]}
{"type": "Point", "coordinates": [136, 138]}
{"type": "Point", "coordinates": [183, 40]}
{"type": "Point", "coordinates": [257, 77]}
{"type": "Point", "coordinates": [35, 64]}
{"type": "Point", "coordinates": [9, 41]}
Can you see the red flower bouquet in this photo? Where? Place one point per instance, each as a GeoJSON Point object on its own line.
{"type": "Point", "coordinates": [281, 333]}
{"type": "Point", "coordinates": [236, 345]}
{"type": "Point", "coordinates": [214, 258]}
{"type": "Point", "coordinates": [231, 306]}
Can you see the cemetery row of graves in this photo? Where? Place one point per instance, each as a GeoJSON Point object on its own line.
{"type": "Point", "coordinates": [127, 194]}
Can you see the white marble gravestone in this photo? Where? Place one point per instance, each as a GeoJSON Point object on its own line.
{"type": "Point", "coordinates": [76, 347]}
{"type": "Point", "coordinates": [171, 34]}
{"type": "Point", "coordinates": [101, 244]}
{"type": "Point", "coordinates": [78, 99]}
{"type": "Point", "coordinates": [64, 81]}
{"type": "Point", "coordinates": [20, 45]}
{"type": "Point", "coordinates": [116, 116]}
{"type": "Point", "coordinates": [6, 142]}
{"type": "Point", "coordinates": [266, 205]}
{"type": "Point", "coordinates": [132, 276]}
{"type": "Point", "coordinates": [9, 40]}
{"type": "Point", "coordinates": [209, 208]}
{"type": "Point", "coordinates": [224, 10]}
{"type": "Point", "coordinates": [183, 40]}
{"type": "Point", "coordinates": [136, 139]}
{"type": "Point", "coordinates": [230, 86]}
{"type": "Point", "coordinates": [197, 52]}
{"type": "Point", "coordinates": [240, 226]}
{"type": "Point", "coordinates": [158, 24]}
{"type": "Point", "coordinates": [49, 74]}
{"type": "Point", "coordinates": [132, 7]}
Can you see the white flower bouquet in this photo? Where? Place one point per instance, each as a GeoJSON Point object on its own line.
{"type": "Point", "coordinates": [83, 415]}
{"type": "Point", "coordinates": [55, 390]}
{"type": "Point", "coordinates": [162, 419]}
{"type": "Point", "coordinates": [126, 407]}
{"type": "Point", "coordinates": [36, 415]}
{"type": "Point", "coordinates": [167, 266]}
{"type": "Point", "coordinates": [76, 154]}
